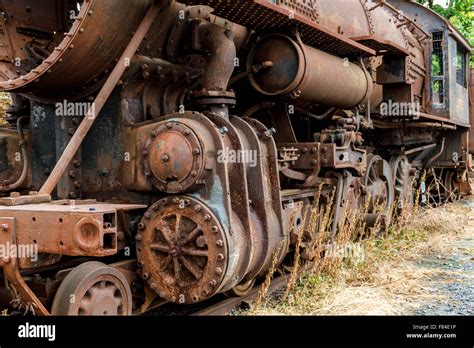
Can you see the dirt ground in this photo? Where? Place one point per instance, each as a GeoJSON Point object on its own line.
{"type": "Point", "coordinates": [428, 269]}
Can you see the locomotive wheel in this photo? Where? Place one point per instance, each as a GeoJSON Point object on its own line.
{"type": "Point", "coordinates": [242, 289]}
{"type": "Point", "coordinates": [378, 183]}
{"type": "Point", "coordinates": [451, 189]}
{"type": "Point", "coordinates": [402, 184]}
{"type": "Point", "coordinates": [93, 288]}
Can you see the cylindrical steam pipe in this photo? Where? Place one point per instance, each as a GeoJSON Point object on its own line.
{"type": "Point", "coordinates": [308, 74]}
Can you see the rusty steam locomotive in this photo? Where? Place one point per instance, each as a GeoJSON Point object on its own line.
{"type": "Point", "coordinates": [167, 150]}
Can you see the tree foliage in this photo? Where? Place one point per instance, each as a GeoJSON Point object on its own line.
{"type": "Point", "coordinates": [460, 13]}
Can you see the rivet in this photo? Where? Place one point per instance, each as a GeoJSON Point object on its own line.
{"type": "Point", "coordinates": [213, 283]}
{"type": "Point", "coordinates": [219, 271]}
{"type": "Point", "coordinates": [198, 208]}
{"type": "Point", "coordinates": [219, 243]}
{"type": "Point", "coordinates": [145, 276]}
{"type": "Point", "coordinates": [138, 237]}
{"type": "Point", "coordinates": [220, 257]}
{"type": "Point", "coordinates": [196, 151]}
{"type": "Point", "coordinates": [141, 226]}
{"type": "Point", "coordinates": [215, 229]}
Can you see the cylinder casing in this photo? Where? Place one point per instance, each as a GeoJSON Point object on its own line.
{"type": "Point", "coordinates": [308, 74]}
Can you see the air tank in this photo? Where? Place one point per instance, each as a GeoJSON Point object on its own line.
{"type": "Point", "coordinates": [307, 74]}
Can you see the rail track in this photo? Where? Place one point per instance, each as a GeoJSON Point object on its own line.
{"type": "Point", "coordinates": [231, 304]}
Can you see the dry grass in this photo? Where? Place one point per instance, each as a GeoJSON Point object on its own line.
{"type": "Point", "coordinates": [386, 280]}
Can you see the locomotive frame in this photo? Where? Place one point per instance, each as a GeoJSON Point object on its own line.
{"type": "Point", "coordinates": [170, 149]}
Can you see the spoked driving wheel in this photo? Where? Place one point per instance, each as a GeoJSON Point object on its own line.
{"type": "Point", "coordinates": [93, 288]}
{"type": "Point", "coordinates": [451, 187]}
{"type": "Point", "coordinates": [379, 192]}
{"type": "Point", "coordinates": [402, 183]}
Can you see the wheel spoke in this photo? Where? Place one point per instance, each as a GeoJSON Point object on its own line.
{"type": "Point", "coordinates": [165, 231]}
{"type": "Point", "coordinates": [177, 269]}
{"type": "Point", "coordinates": [163, 264]}
{"type": "Point", "coordinates": [373, 174]}
{"type": "Point", "coordinates": [194, 252]}
{"type": "Point", "coordinates": [195, 271]}
{"type": "Point", "coordinates": [193, 235]}
{"type": "Point", "coordinates": [177, 225]}
{"type": "Point", "coordinates": [160, 247]}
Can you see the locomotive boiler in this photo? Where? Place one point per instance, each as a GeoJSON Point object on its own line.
{"type": "Point", "coordinates": [168, 150]}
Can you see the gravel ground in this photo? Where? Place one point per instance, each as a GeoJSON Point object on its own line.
{"type": "Point", "coordinates": [455, 282]}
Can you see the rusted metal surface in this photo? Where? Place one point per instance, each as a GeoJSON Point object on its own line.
{"type": "Point", "coordinates": [74, 230]}
{"type": "Point", "coordinates": [263, 15]}
{"type": "Point", "coordinates": [174, 158]}
{"type": "Point", "coordinates": [92, 37]}
{"type": "Point", "coordinates": [8, 236]}
{"type": "Point", "coordinates": [222, 124]}
{"type": "Point", "coordinates": [378, 188]}
{"type": "Point", "coordinates": [299, 71]}
{"type": "Point", "coordinates": [99, 101]}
